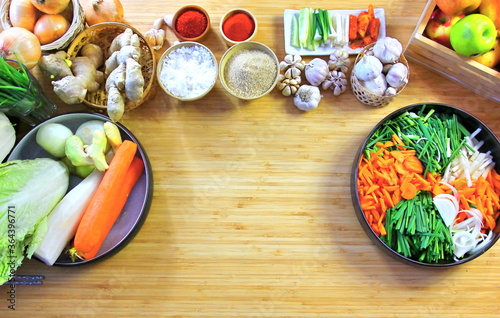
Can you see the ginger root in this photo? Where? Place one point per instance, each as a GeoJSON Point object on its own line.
{"type": "Point", "coordinates": [73, 82]}
{"type": "Point", "coordinates": [134, 81]}
{"type": "Point", "coordinates": [55, 65]}
{"type": "Point", "coordinates": [116, 104]}
{"type": "Point", "coordinates": [125, 81]}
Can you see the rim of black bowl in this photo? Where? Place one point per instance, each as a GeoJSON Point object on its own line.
{"type": "Point", "coordinates": [486, 135]}
{"type": "Point", "coordinates": [146, 205]}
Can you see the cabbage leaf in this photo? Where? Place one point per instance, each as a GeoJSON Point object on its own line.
{"type": "Point", "coordinates": [29, 190]}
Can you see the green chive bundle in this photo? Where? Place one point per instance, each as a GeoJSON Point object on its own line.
{"type": "Point", "coordinates": [21, 95]}
{"type": "Point", "coordinates": [416, 230]}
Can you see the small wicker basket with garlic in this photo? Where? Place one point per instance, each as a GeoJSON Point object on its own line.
{"type": "Point", "coordinates": [380, 72]}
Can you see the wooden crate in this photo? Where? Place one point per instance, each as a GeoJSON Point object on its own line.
{"type": "Point", "coordinates": [478, 78]}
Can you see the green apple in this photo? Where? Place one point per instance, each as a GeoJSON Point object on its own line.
{"type": "Point", "coordinates": [473, 35]}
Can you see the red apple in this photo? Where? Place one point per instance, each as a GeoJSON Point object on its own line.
{"type": "Point", "coordinates": [439, 26]}
{"type": "Point", "coordinates": [491, 9]}
{"type": "Point", "coordinates": [457, 7]}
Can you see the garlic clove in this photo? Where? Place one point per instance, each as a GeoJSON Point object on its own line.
{"type": "Point", "coordinates": [287, 91]}
{"type": "Point", "coordinates": [283, 65]}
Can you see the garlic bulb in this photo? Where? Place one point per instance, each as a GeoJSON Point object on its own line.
{"type": "Point", "coordinates": [387, 50]}
{"type": "Point", "coordinates": [288, 85]}
{"type": "Point", "coordinates": [307, 97]}
{"type": "Point", "coordinates": [397, 75]}
{"type": "Point", "coordinates": [376, 86]}
{"type": "Point", "coordinates": [316, 71]}
{"type": "Point", "coordinates": [339, 61]}
{"type": "Point", "coordinates": [337, 81]}
{"type": "Point", "coordinates": [155, 38]}
{"type": "Point", "coordinates": [368, 68]}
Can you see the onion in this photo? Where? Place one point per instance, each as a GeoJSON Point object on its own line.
{"type": "Point", "coordinates": [50, 6]}
{"type": "Point", "coordinates": [20, 44]}
{"type": "Point", "coordinates": [50, 27]}
{"type": "Point", "coordinates": [22, 13]}
{"type": "Point", "coordinates": [97, 11]}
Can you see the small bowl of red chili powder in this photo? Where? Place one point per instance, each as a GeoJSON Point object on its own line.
{"type": "Point", "coordinates": [191, 23]}
{"type": "Point", "coordinates": [238, 25]}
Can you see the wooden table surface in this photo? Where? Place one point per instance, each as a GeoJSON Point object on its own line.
{"type": "Point", "coordinates": [252, 212]}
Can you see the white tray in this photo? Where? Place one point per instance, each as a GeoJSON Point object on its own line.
{"type": "Point", "coordinates": [327, 50]}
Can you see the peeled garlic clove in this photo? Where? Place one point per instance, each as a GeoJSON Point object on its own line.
{"type": "Point", "coordinates": [293, 89]}
{"type": "Point", "coordinates": [168, 18]}
{"type": "Point", "coordinates": [281, 86]}
{"type": "Point", "coordinates": [295, 72]}
{"type": "Point", "coordinates": [288, 59]}
{"type": "Point", "coordinates": [287, 91]}
{"type": "Point", "coordinates": [283, 65]}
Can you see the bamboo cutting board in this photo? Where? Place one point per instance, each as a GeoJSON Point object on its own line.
{"type": "Point", "coordinates": [252, 213]}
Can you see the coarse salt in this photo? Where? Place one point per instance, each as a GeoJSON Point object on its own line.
{"type": "Point", "coordinates": [188, 71]}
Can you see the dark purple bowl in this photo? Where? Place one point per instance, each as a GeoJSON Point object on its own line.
{"type": "Point", "coordinates": [471, 123]}
{"type": "Point", "coordinates": [139, 200]}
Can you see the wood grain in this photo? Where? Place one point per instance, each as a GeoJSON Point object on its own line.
{"type": "Point", "coordinates": [252, 213]}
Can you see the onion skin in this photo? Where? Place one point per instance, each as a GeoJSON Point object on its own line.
{"type": "Point", "coordinates": [97, 11]}
{"type": "Point", "coordinates": [50, 6]}
{"type": "Point", "coordinates": [22, 13]}
{"type": "Point", "coordinates": [50, 27]}
{"type": "Point", "coordinates": [20, 44]}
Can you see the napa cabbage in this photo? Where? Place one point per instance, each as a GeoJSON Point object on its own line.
{"type": "Point", "coordinates": [29, 190]}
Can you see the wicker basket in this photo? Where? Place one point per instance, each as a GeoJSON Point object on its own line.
{"type": "Point", "coordinates": [102, 34]}
{"type": "Point", "coordinates": [76, 26]}
{"type": "Point", "coordinates": [367, 97]}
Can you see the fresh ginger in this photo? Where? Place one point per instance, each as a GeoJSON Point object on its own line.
{"type": "Point", "coordinates": [121, 56]}
{"type": "Point", "coordinates": [134, 81]}
{"type": "Point", "coordinates": [72, 86]}
{"type": "Point", "coordinates": [121, 40]}
{"type": "Point", "coordinates": [116, 104]}
{"type": "Point", "coordinates": [56, 65]}
{"type": "Point", "coordinates": [124, 74]}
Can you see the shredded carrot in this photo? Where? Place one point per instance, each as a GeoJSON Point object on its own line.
{"type": "Point", "coordinates": [389, 176]}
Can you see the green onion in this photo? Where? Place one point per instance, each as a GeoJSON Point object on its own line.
{"type": "Point", "coordinates": [415, 230]}
{"type": "Point", "coordinates": [21, 95]}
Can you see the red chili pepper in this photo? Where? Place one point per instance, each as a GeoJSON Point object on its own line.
{"type": "Point", "coordinates": [191, 23]}
{"type": "Point", "coordinates": [238, 27]}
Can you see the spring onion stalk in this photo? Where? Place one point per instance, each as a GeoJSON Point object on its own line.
{"type": "Point", "coordinates": [21, 95]}
{"type": "Point", "coordinates": [14, 84]}
{"type": "Point", "coordinates": [316, 27]}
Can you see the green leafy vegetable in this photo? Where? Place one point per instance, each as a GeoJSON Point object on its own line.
{"type": "Point", "coordinates": [416, 230]}
{"type": "Point", "coordinates": [437, 138]}
{"type": "Point", "coordinates": [29, 190]}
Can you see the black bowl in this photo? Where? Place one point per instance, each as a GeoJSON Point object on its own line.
{"type": "Point", "coordinates": [139, 200]}
{"type": "Point", "coordinates": [471, 123]}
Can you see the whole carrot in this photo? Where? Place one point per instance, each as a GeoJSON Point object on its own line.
{"type": "Point", "coordinates": [106, 204]}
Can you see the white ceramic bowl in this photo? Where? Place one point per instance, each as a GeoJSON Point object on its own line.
{"type": "Point", "coordinates": [185, 96]}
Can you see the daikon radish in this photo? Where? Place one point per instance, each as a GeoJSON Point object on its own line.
{"type": "Point", "coordinates": [65, 218]}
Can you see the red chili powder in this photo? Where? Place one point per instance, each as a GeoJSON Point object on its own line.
{"type": "Point", "coordinates": [238, 27]}
{"type": "Point", "coordinates": [191, 23]}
